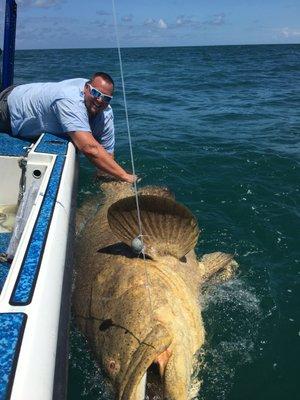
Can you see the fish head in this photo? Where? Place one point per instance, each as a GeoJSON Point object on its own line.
{"type": "Point", "coordinates": [126, 359]}
{"type": "Point", "coordinates": [155, 368]}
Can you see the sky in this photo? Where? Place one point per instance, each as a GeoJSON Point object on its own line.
{"type": "Point", "coordinates": [44, 24]}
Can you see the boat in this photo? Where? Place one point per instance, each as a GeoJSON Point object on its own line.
{"type": "Point", "coordinates": [37, 208]}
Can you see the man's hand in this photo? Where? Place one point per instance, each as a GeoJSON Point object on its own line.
{"type": "Point", "coordinates": [130, 178]}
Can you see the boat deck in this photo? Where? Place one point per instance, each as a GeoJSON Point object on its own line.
{"type": "Point", "coordinates": [40, 265]}
{"type": "Point", "coordinates": [14, 147]}
{"type": "Point", "coordinates": [10, 146]}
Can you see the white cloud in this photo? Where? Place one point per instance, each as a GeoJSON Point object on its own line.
{"type": "Point", "coordinates": [149, 21]}
{"type": "Point", "coordinates": [183, 20]}
{"type": "Point", "coordinates": [162, 24]}
{"type": "Point", "coordinates": [153, 23]}
{"type": "Point", "coordinates": [288, 32]}
{"type": "Point", "coordinates": [127, 18]}
{"type": "Point", "coordinates": [217, 19]}
{"type": "Point", "coordinates": [103, 13]}
{"type": "Point", "coordinates": [38, 3]}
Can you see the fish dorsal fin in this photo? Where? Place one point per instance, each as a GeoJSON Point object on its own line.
{"type": "Point", "coordinates": [168, 227]}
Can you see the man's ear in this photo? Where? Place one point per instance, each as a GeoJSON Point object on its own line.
{"type": "Point", "coordinates": [86, 88]}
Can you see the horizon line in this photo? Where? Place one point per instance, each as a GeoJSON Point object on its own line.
{"type": "Point", "coordinates": [155, 47]}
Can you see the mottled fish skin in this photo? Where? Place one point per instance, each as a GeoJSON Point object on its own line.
{"type": "Point", "coordinates": [133, 311]}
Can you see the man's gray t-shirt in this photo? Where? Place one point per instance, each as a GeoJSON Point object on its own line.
{"type": "Point", "coordinates": [57, 108]}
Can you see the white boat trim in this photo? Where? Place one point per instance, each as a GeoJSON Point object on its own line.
{"type": "Point", "coordinates": [40, 312]}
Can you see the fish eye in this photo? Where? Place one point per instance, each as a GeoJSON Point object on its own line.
{"type": "Point", "coordinates": [112, 364]}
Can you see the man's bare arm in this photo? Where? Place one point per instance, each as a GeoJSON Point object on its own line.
{"type": "Point", "coordinates": [99, 172]}
{"type": "Point", "coordinates": [88, 145]}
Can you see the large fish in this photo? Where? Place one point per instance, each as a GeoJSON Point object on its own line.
{"type": "Point", "coordinates": [141, 314]}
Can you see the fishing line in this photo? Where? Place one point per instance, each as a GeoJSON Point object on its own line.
{"type": "Point", "coordinates": [131, 152]}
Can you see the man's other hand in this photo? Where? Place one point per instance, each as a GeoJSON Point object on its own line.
{"type": "Point", "coordinates": [130, 178]}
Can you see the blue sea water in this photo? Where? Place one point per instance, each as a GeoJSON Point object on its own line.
{"type": "Point", "coordinates": [220, 127]}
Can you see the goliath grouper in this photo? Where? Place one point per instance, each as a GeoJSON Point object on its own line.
{"type": "Point", "coordinates": [142, 314]}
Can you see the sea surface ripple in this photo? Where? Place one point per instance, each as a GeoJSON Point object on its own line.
{"type": "Point", "coordinates": [220, 127]}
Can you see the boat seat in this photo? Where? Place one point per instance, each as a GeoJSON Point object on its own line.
{"type": "Point", "coordinates": [12, 146]}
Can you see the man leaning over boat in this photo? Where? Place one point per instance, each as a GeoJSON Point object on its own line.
{"type": "Point", "coordinates": [78, 108]}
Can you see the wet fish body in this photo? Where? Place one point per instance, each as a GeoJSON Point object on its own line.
{"type": "Point", "coordinates": [140, 312]}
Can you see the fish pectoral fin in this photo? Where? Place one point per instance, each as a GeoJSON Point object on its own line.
{"type": "Point", "coordinates": [168, 228]}
{"type": "Point", "coordinates": [218, 266]}
{"type": "Point", "coordinates": [86, 213]}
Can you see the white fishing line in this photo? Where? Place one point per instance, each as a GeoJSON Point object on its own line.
{"type": "Point", "coordinates": [127, 119]}
{"type": "Point", "coordinates": [131, 152]}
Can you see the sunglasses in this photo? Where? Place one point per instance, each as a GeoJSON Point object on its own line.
{"type": "Point", "coordinates": [99, 95]}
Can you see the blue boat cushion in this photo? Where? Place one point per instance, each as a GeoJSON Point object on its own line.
{"type": "Point", "coordinates": [11, 334]}
{"type": "Point", "coordinates": [52, 144]}
{"type": "Point", "coordinates": [12, 146]}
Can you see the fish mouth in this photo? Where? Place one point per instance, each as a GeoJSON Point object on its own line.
{"type": "Point", "coordinates": [154, 350]}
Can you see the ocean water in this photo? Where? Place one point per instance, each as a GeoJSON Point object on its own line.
{"type": "Point", "coordinates": [220, 127]}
